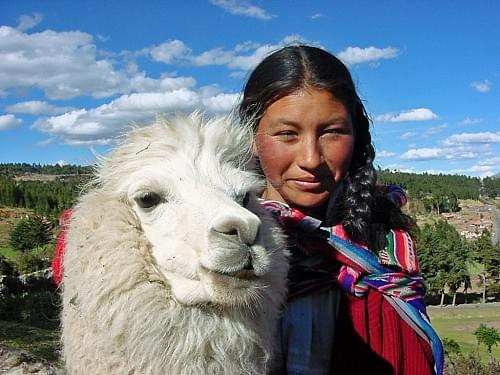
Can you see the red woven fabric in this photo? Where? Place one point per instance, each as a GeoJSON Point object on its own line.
{"type": "Point", "coordinates": [371, 338]}
{"type": "Point", "coordinates": [57, 262]}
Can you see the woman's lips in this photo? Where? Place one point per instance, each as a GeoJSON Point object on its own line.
{"type": "Point", "coordinates": [306, 183]}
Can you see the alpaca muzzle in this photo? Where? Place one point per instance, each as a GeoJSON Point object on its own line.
{"type": "Point", "coordinates": [232, 235]}
{"type": "Point", "coordinates": [237, 224]}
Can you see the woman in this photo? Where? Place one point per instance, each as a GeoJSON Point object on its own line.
{"type": "Point", "coordinates": [313, 144]}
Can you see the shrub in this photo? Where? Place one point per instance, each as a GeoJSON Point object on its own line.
{"type": "Point", "coordinates": [488, 336]}
{"type": "Point", "coordinates": [30, 233]}
{"type": "Point", "coordinates": [30, 262]}
{"type": "Point", "coordinates": [471, 365]}
{"type": "Point", "coordinates": [451, 347]}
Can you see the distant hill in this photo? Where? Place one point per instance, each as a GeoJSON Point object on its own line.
{"type": "Point", "coordinates": [424, 185]}
{"type": "Point", "coordinates": [13, 170]}
{"type": "Point", "coordinates": [45, 189]}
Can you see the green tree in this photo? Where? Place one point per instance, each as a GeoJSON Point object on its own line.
{"type": "Point", "coordinates": [486, 253]}
{"type": "Point", "coordinates": [488, 336]}
{"type": "Point", "coordinates": [491, 186]}
{"type": "Point", "coordinates": [443, 258]}
{"type": "Point", "coordinates": [30, 233]}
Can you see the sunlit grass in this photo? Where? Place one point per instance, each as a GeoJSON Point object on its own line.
{"type": "Point", "coordinates": [8, 253]}
{"type": "Point", "coordinates": [460, 323]}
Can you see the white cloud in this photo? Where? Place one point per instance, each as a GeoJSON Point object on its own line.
{"type": "Point", "coordinates": [357, 55]}
{"type": "Point", "coordinates": [241, 58]}
{"type": "Point", "coordinates": [8, 122]}
{"type": "Point", "coordinates": [170, 51]}
{"type": "Point", "coordinates": [492, 162]}
{"type": "Point", "coordinates": [385, 154]}
{"type": "Point", "coordinates": [220, 103]}
{"type": "Point", "coordinates": [470, 121]}
{"type": "Point", "coordinates": [408, 135]}
{"type": "Point", "coordinates": [28, 22]}
{"type": "Point", "coordinates": [422, 154]}
{"type": "Point", "coordinates": [484, 170]}
{"type": "Point", "coordinates": [435, 130]}
{"type": "Point", "coordinates": [66, 65]}
{"type": "Point", "coordinates": [140, 83]}
{"type": "Point", "coordinates": [99, 125]}
{"type": "Point", "coordinates": [37, 107]}
{"type": "Point", "coordinates": [480, 168]}
{"type": "Point", "coordinates": [441, 153]}
{"type": "Point", "coordinates": [487, 167]}
{"type": "Point", "coordinates": [483, 86]}
{"type": "Point", "coordinates": [317, 15]}
{"type": "Point", "coordinates": [472, 138]}
{"type": "Point", "coordinates": [417, 114]}
{"type": "Point", "coordinates": [242, 8]}
{"type": "Point", "coordinates": [45, 142]}
{"type": "Point", "coordinates": [62, 64]}
{"type": "Point", "coordinates": [103, 38]}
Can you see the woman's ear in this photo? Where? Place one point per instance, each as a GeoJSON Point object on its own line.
{"type": "Point", "coordinates": [255, 151]}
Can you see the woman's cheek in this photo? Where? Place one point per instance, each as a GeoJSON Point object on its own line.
{"type": "Point", "coordinates": [339, 157]}
{"type": "Point", "coordinates": [274, 157]}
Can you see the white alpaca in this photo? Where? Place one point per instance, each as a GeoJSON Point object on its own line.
{"type": "Point", "coordinates": [172, 266]}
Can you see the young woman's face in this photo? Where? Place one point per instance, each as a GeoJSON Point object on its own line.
{"type": "Point", "coordinates": [304, 143]}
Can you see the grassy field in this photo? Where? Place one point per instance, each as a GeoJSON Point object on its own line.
{"type": "Point", "coordinates": [39, 342]}
{"type": "Point", "coordinates": [5, 228]}
{"type": "Point", "coordinates": [8, 253]}
{"type": "Point", "coordinates": [460, 322]}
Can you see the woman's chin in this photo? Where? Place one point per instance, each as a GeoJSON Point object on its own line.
{"type": "Point", "coordinates": [307, 200]}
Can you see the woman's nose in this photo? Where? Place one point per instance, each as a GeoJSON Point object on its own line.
{"type": "Point", "coordinates": [309, 155]}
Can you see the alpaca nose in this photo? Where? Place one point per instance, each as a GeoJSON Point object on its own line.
{"type": "Point", "coordinates": [241, 224]}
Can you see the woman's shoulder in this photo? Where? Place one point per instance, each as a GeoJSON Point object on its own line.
{"type": "Point", "coordinates": [399, 251]}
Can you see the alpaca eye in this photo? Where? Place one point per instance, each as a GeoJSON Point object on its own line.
{"type": "Point", "coordinates": [148, 199]}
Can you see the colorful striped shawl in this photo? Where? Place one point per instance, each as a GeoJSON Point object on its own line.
{"type": "Point", "coordinates": [395, 272]}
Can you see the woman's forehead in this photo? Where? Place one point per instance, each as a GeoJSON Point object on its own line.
{"type": "Point", "coordinates": [315, 105]}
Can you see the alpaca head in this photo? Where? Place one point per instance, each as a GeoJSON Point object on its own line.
{"type": "Point", "coordinates": [190, 187]}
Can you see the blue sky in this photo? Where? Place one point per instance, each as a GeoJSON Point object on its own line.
{"type": "Point", "coordinates": [75, 74]}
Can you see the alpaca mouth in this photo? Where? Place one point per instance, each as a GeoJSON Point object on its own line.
{"type": "Point", "coordinates": [247, 272]}
{"type": "Point", "coordinates": [244, 273]}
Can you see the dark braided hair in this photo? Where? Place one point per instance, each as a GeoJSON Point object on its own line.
{"type": "Point", "coordinates": [362, 209]}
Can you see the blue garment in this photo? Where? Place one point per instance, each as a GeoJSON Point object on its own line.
{"type": "Point", "coordinates": [306, 332]}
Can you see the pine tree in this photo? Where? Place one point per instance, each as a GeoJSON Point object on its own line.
{"type": "Point", "coordinates": [30, 233]}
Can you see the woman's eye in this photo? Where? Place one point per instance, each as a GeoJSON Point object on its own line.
{"type": "Point", "coordinates": [333, 131]}
{"type": "Point", "coordinates": [148, 199]}
{"type": "Point", "coordinates": [286, 134]}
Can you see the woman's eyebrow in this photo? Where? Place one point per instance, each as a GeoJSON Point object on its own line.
{"type": "Point", "coordinates": [287, 121]}
{"type": "Point", "coordinates": [336, 120]}
{"type": "Point", "coordinates": [332, 121]}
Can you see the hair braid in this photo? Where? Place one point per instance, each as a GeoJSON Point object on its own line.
{"type": "Point", "coordinates": [359, 197]}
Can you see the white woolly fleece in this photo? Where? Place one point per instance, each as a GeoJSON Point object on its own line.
{"type": "Point", "coordinates": [160, 290]}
